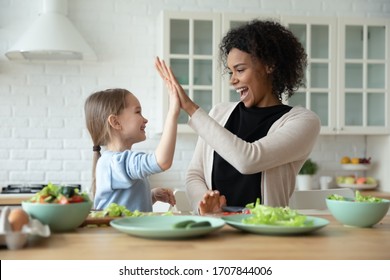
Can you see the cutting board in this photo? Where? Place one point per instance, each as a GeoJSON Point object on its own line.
{"type": "Point", "coordinates": [98, 221]}
{"type": "Point", "coordinates": [101, 221]}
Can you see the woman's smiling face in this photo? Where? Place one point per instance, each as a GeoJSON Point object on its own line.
{"type": "Point", "coordinates": [251, 79]}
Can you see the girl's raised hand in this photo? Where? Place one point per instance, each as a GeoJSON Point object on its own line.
{"type": "Point", "coordinates": [165, 74]}
{"type": "Point", "coordinates": [170, 82]}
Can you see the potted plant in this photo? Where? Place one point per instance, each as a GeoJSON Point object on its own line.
{"type": "Point", "coordinates": [305, 175]}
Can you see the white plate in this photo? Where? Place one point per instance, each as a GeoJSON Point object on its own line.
{"type": "Point", "coordinates": [358, 186]}
{"type": "Point", "coordinates": [162, 227]}
{"type": "Point", "coordinates": [356, 167]}
{"type": "Point", "coordinates": [236, 222]}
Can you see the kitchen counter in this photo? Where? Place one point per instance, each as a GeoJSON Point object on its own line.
{"type": "Point", "coordinates": [334, 241]}
{"type": "Point", "coordinates": [13, 199]}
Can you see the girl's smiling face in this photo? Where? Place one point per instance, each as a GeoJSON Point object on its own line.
{"type": "Point", "coordinates": [251, 79]}
{"type": "Point", "coordinates": [132, 122]}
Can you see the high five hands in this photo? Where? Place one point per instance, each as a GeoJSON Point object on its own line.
{"type": "Point", "coordinates": [172, 84]}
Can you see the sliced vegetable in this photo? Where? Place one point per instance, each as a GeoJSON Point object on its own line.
{"type": "Point", "coordinates": [67, 191]}
{"type": "Point", "coordinates": [366, 198]}
{"type": "Point", "coordinates": [187, 224]}
{"type": "Point", "coordinates": [336, 197]}
{"type": "Point", "coordinates": [358, 198]}
{"type": "Point", "coordinates": [199, 224]}
{"type": "Point", "coordinates": [115, 210]}
{"type": "Point", "coordinates": [277, 216]}
{"type": "Point", "coordinates": [63, 200]}
{"type": "Point", "coordinates": [59, 194]}
{"type": "Point", "coordinates": [184, 224]}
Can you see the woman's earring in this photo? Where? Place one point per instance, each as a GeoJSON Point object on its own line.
{"type": "Point", "coordinates": [269, 69]}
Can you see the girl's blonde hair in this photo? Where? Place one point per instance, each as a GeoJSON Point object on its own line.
{"type": "Point", "coordinates": [98, 107]}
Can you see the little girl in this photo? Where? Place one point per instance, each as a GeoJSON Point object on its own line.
{"type": "Point", "coordinates": [114, 120]}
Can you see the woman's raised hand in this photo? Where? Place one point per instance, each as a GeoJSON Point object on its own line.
{"type": "Point", "coordinates": [173, 85]}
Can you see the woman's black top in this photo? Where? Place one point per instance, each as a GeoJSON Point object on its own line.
{"type": "Point", "coordinates": [249, 124]}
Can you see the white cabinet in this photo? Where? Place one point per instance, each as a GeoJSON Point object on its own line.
{"type": "Point", "coordinates": [190, 47]}
{"type": "Point", "coordinates": [346, 82]}
{"type": "Point", "coordinates": [318, 36]}
{"type": "Point", "coordinates": [364, 76]}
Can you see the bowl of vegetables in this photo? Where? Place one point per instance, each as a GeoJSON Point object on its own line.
{"type": "Point", "coordinates": [62, 208]}
{"type": "Point", "coordinates": [360, 211]}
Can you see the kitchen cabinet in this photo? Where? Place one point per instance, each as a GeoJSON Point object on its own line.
{"type": "Point", "coordinates": [364, 76]}
{"type": "Point", "coordinates": [319, 94]}
{"type": "Point", "coordinates": [345, 82]}
{"type": "Point", "coordinates": [190, 45]}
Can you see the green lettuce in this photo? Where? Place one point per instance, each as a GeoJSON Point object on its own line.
{"type": "Point", "coordinates": [116, 210]}
{"type": "Point", "coordinates": [358, 197]}
{"type": "Point", "coordinates": [277, 216]}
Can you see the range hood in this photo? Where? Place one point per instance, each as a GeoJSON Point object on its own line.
{"type": "Point", "coordinates": [51, 37]}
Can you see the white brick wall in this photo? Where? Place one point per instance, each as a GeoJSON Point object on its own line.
{"type": "Point", "coordinates": [42, 132]}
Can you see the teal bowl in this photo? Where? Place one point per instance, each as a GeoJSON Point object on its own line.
{"type": "Point", "coordinates": [59, 217]}
{"type": "Point", "coordinates": [358, 214]}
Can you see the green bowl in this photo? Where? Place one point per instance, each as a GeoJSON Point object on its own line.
{"type": "Point", "coordinates": [59, 217]}
{"type": "Point", "coordinates": [358, 214]}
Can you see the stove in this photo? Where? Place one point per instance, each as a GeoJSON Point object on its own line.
{"type": "Point", "coordinates": [29, 188]}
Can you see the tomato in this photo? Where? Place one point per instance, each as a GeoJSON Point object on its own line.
{"type": "Point", "coordinates": [76, 198]}
{"type": "Point", "coordinates": [63, 200]}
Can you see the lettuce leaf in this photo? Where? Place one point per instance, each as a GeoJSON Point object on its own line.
{"type": "Point", "coordinates": [278, 216]}
{"type": "Point", "coordinates": [358, 198]}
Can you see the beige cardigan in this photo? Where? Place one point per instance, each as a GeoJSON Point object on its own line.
{"type": "Point", "coordinates": [279, 155]}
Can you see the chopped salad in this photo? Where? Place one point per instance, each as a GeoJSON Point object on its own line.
{"type": "Point", "coordinates": [358, 198]}
{"type": "Point", "coordinates": [116, 210]}
{"type": "Point", "coordinates": [277, 216]}
{"type": "Point", "coordinates": [59, 194]}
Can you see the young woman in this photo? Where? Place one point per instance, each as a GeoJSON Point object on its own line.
{"type": "Point", "coordinates": [253, 148]}
{"type": "Point", "coordinates": [114, 119]}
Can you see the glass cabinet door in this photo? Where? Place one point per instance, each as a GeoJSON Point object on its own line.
{"type": "Point", "coordinates": [318, 93]}
{"type": "Point", "coordinates": [364, 94]}
{"type": "Point", "coordinates": [190, 44]}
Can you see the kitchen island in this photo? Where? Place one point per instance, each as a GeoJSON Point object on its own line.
{"type": "Point", "coordinates": [333, 242]}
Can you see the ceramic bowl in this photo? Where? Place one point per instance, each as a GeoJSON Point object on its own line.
{"type": "Point", "coordinates": [59, 217]}
{"type": "Point", "coordinates": [358, 214]}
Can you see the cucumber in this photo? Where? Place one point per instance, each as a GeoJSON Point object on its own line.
{"type": "Point", "coordinates": [199, 224]}
{"type": "Point", "coordinates": [183, 224]}
{"type": "Point", "coordinates": [67, 191]}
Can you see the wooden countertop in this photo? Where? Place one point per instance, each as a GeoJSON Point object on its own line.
{"type": "Point", "coordinates": [334, 241]}
{"type": "Point", "coordinates": [13, 199]}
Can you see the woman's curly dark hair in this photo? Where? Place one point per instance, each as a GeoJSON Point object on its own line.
{"type": "Point", "coordinates": [273, 45]}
